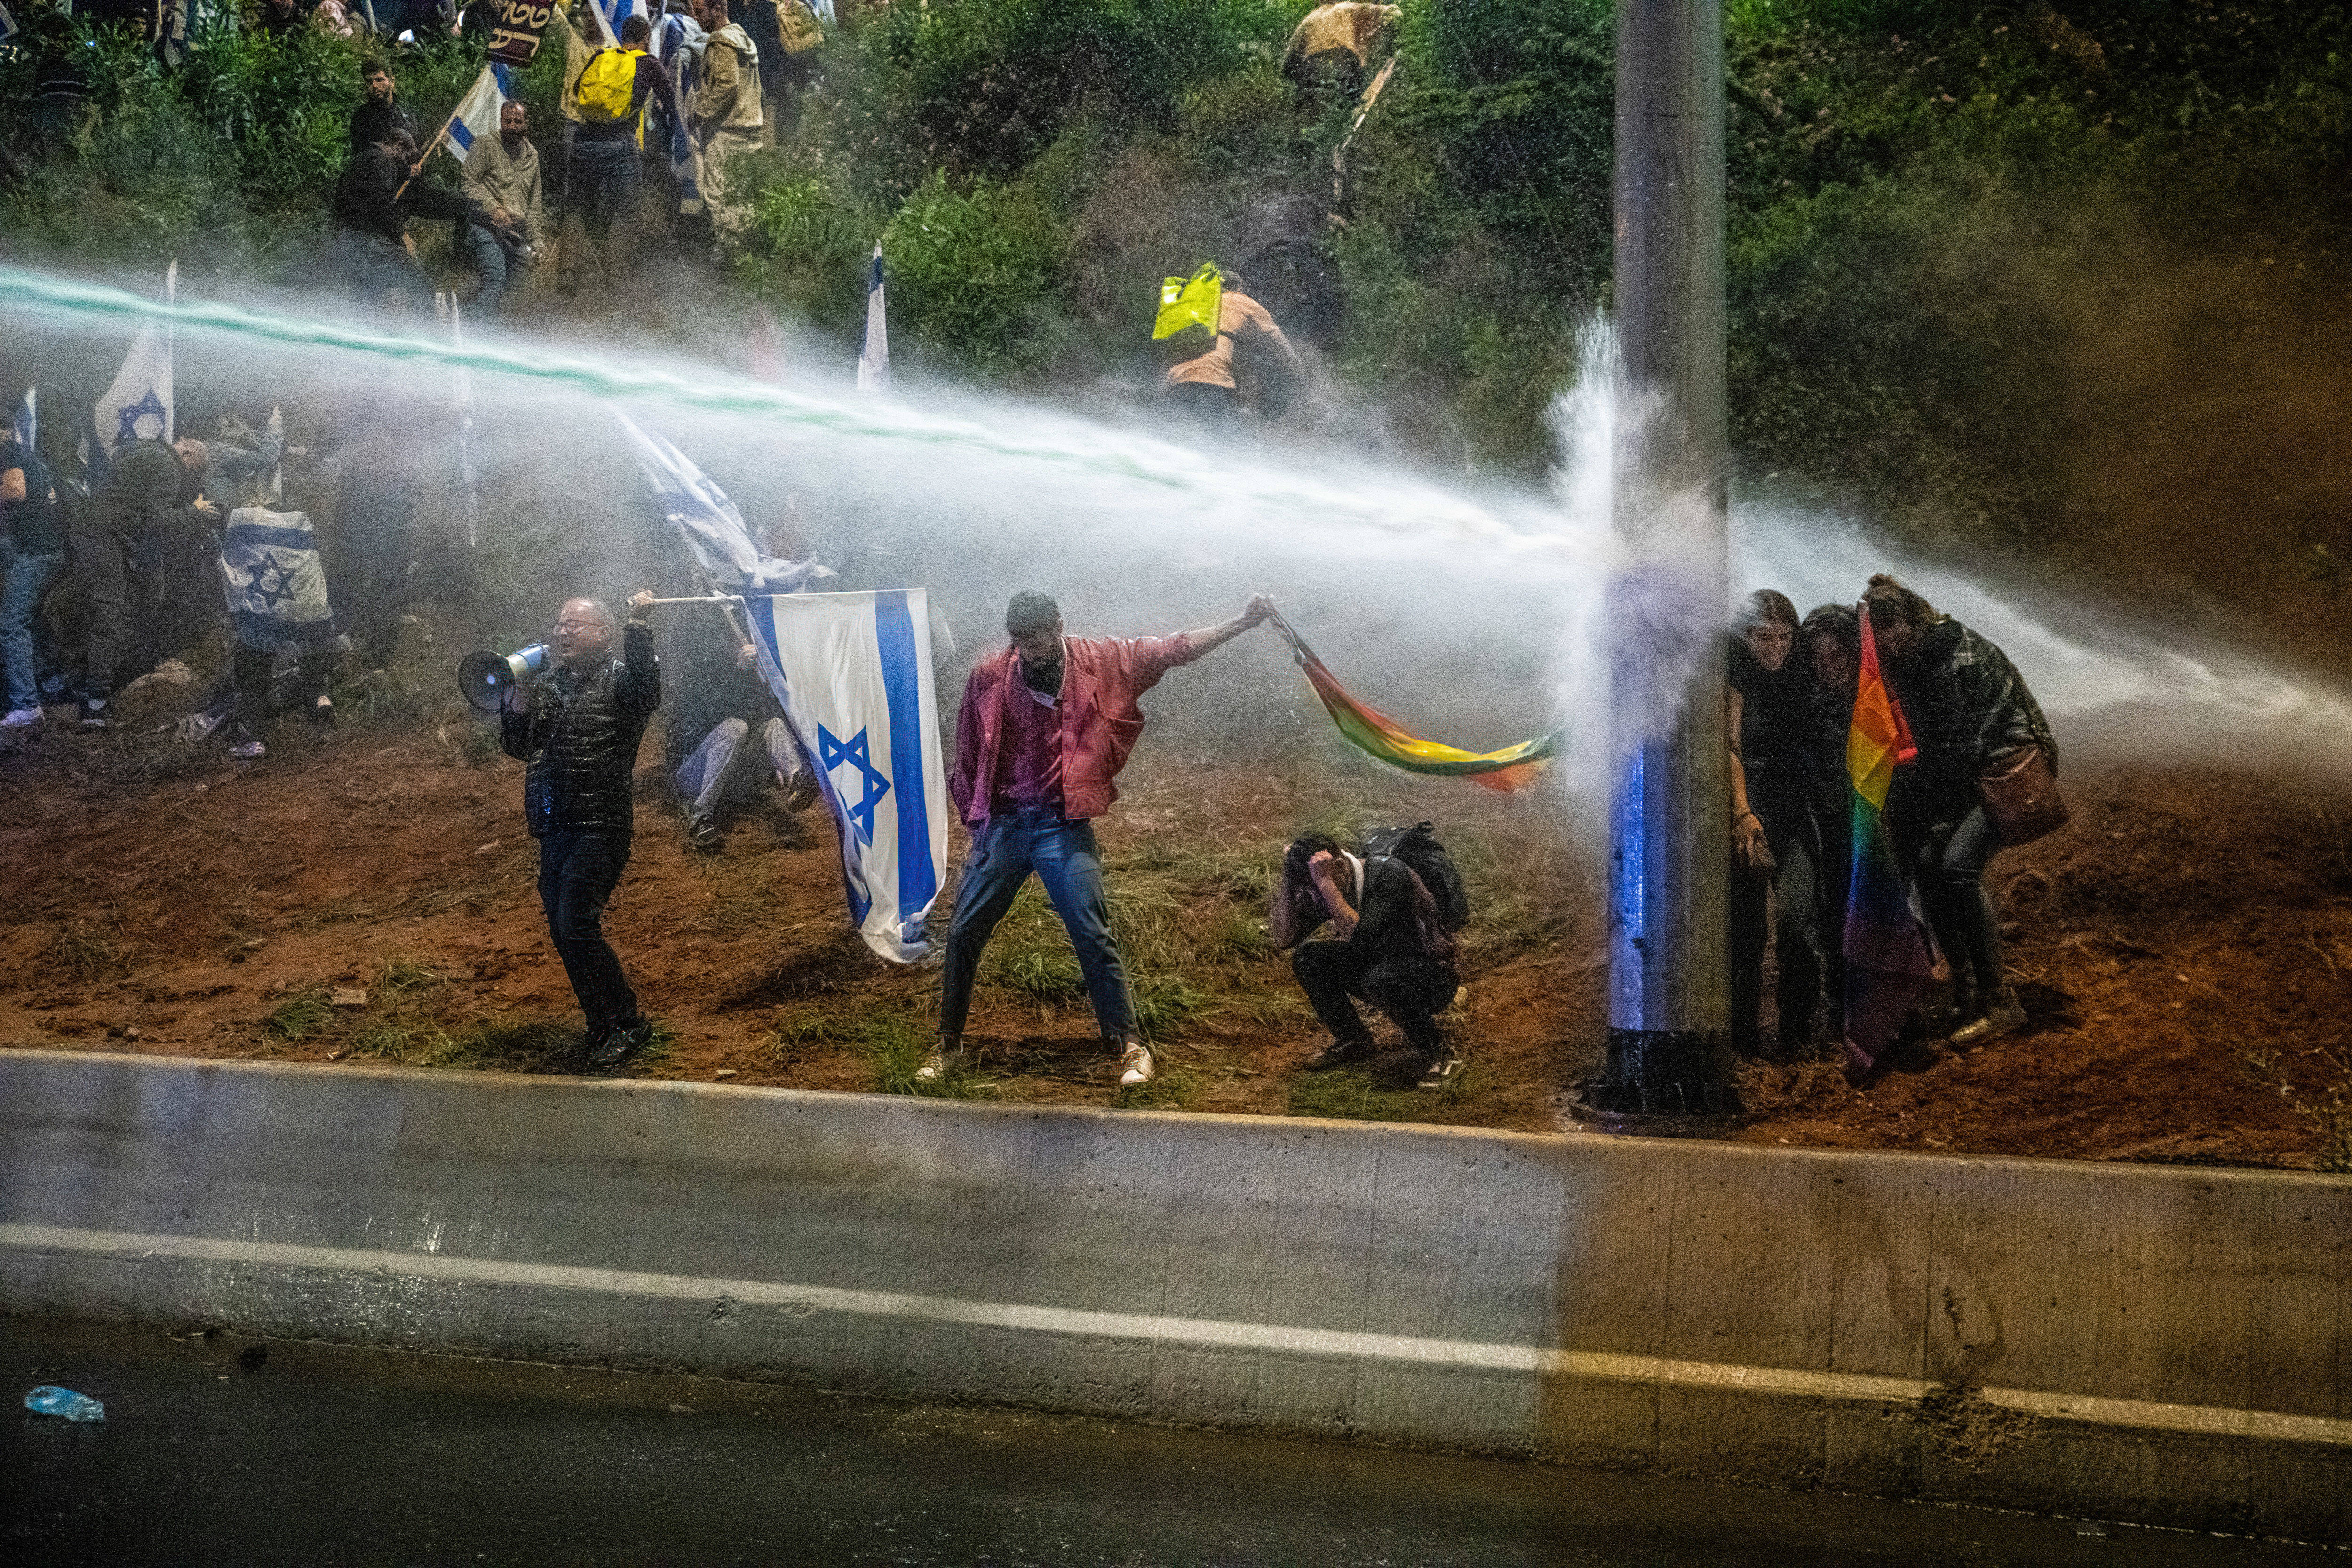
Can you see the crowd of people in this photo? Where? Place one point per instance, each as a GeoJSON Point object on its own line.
{"type": "Point", "coordinates": [1789, 712]}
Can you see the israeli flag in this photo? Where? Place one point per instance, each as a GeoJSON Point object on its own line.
{"type": "Point", "coordinates": [679, 44]}
{"type": "Point", "coordinates": [137, 404]}
{"type": "Point", "coordinates": [874, 359]}
{"type": "Point", "coordinates": [610, 15]}
{"type": "Point", "coordinates": [270, 575]}
{"type": "Point", "coordinates": [711, 524]}
{"type": "Point", "coordinates": [854, 673]}
{"type": "Point", "coordinates": [27, 429]}
{"type": "Point", "coordinates": [478, 111]}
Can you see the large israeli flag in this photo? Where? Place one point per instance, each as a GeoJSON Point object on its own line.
{"type": "Point", "coordinates": [711, 524]}
{"type": "Point", "coordinates": [477, 112]}
{"type": "Point", "coordinates": [270, 576]}
{"type": "Point", "coordinates": [854, 673]}
{"type": "Point", "coordinates": [137, 404]}
{"type": "Point", "coordinates": [679, 44]}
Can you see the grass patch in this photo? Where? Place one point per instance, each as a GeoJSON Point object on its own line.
{"type": "Point", "coordinates": [84, 951]}
{"type": "Point", "coordinates": [896, 1047]}
{"type": "Point", "coordinates": [1350, 1094]}
{"type": "Point", "coordinates": [2327, 1109]}
{"type": "Point", "coordinates": [402, 977]}
{"type": "Point", "coordinates": [1174, 1088]}
{"type": "Point", "coordinates": [737, 898]}
{"type": "Point", "coordinates": [303, 1013]}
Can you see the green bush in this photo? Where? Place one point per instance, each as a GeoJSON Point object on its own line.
{"type": "Point", "coordinates": [973, 276]}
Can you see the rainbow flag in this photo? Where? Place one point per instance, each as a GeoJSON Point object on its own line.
{"type": "Point", "coordinates": [1888, 963]}
{"type": "Point", "coordinates": [1376, 735]}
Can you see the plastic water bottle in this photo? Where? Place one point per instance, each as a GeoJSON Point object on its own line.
{"type": "Point", "coordinates": [46, 1400]}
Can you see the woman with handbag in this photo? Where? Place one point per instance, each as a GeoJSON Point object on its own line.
{"type": "Point", "coordinates": [1775, 840]}
{"type": "Point", "coordinates": [1986, 777]}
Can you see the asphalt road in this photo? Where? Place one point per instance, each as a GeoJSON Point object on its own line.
{"type": "Point", "coordinates": [223, 1451]}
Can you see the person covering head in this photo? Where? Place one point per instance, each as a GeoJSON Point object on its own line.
{"type": "Point", "coordinates": [150, 508]}
{"type": "Point", "coordinates": [1389, 947]}
{"type": "Point", "coordinates": [1045, 726]}
{"type": "Point", "coordinates": [1776, 841]}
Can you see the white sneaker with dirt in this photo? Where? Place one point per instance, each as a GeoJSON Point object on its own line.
{"type": "Point", "coordinates": [1444, 1070]}
{"type": "Point", "coordinates": [248, 750]}
{"type": "Point", "coordinates": [943, 1057]}
{"type": "Point", "coordinates": [21, 719]}
{"type": "Point", "coordinates": [1135, 1065]}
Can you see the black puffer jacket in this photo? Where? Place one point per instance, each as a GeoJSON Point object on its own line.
{"type": "Point", "coordinates": [579, 739]}
{"type": "Point", "coordinates": [1968, 706]}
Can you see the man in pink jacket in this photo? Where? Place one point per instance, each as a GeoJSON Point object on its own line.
{"type": "Point", "coordinates": [1047, 724]}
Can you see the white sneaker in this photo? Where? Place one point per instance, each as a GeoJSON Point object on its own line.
{"type": "Point", "coordinates": [248, 751]}
{"type": "Point", "coordinates": [1135, 1065]}
{"type": "Point", "coordinates": [21, 719]}
{"type": "Point", "coordinates": [935, 1066]}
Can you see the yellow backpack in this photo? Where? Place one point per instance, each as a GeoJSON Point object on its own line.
{"type": "Point", "coordinates": [608, 86]}
{"type": "Point", "coordinates": [1191, 310]}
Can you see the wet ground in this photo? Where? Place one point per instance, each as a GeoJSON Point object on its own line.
{"type": "Point", "coordinates": [216, 1449]}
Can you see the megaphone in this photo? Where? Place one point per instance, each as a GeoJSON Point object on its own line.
{"type": "Point", "coordinates": [484, 676]}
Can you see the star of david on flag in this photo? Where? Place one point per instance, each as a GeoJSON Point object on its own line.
{"type": "Point", "coordinates": [859, 665]}
{"type": "Point", "coordinates": [137, 404]}
{"type": "Point", "coordinates": [856, 753]}
{"type": "Point", "coordinates": [273, 581]}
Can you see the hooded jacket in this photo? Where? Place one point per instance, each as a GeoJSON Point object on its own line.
{"type": "Point", "coordinates": [578, 739]}
{"type": "Point", "coordinates": [728, 96]}
{"type": "Point", "coordinates": [1099, 721]}
{"type": "Point", "coordinates": [1968, 706]}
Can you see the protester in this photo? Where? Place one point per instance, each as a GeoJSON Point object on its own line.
{"type": "Point", "coordinates": [32, 549]}
{"type": "Point", "coordinates": [501, 176]}
{"type": "Point", "coordinates": [1331, 48]}
{"type": "Point", "coordinates": [378, 193]}
{"type": "Point", "coordinates": [1389, 946]}
{"type": "Point", "coordinates": [1249, 369]}
{"type": "Point", "coordinates": [276, 589]}
{"type": "Point", "coordinates": [236, 454]}
{"type": "Point", "coordinates": [61, 78]}
{"type": "Point", "coordinates": [724, 116]}
{"type": "Point", "coordinates": [1970, 711]}
{"type": "Point", "coordinates": [1775, 835]}
{"type": "Point", "coordinates": [790, 69]}
{"type": "Point", "coordinates": [380, 114]}
{"type": "Point", "coordinates": [1045, 728]}
{"type": "Point", "coordinates": [376, 499]}
{"type": "Point", "coordinates": [282, 19]}
{"type": "Point", "coordinates": [334, 18]}
{"type": "Point", "coordinates": [614, 89]}
{"type": "Point", "coordinates": [577, 733]}
{"type": "Point", "coordinates": [1833, 649]}
{"type": "Point", "coordinates": [152, 499]}
{"type": "Point", "coordinates": [727, 735]}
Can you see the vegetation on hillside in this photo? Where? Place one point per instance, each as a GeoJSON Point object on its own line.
{"type": "Point", "coordinates": [1993, 267]}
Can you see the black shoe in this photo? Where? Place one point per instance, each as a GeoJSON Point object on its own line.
{"type": "Point", "coordinates": [1338, 1054]}
{"type": "Point", "coordinates": [702, 834]}
{"type": "Point", "coordinates": [620, 1044]}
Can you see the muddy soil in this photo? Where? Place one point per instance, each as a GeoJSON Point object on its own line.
{"type": "Point", "coordinates": [2185, 947]}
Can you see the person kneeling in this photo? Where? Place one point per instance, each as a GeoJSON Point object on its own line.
{"type": "Point", "coordinates": [1389, 947]}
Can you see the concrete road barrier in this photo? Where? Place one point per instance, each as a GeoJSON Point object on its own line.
{"type": "Point", "coordinates": [2163, 1345]}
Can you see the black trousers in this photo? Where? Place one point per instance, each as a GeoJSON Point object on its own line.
{"type": "Point", "coordinates": [578, 870]}
{"type": "Point", "coordinates": [249, 671]}
{"type": "Point", "coordinates": [1798, 923]}
{"type": "Point", "coordinates": [1410, 989]}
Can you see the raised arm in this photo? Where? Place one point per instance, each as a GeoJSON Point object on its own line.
{"type": "Point", "coordinates": [1211, 637]}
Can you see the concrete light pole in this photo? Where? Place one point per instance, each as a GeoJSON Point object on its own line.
{"type": "Point", "coordinates": [1669, 1005]}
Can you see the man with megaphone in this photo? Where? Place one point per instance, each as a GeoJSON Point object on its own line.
{"type": "Point", "coordinates": [576, 731]}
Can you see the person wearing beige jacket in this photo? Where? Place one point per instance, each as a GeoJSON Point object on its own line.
{"type": "Point", "coordinates": [724, 113]}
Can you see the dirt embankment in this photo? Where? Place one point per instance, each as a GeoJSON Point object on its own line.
{"type": "Point", "coordinates": [2185, 948]}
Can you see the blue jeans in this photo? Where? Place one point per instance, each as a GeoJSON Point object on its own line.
{"type": "Point", "coordinates": [26, 576]}
{"type": "Point", "coordinates": [1064, 856]}
{"type": "Point", "coordinates": [498, 267]}
{"type": "Point", "coordinates": [606, 174]}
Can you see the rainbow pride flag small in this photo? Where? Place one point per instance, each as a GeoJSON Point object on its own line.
{"type": "Point", "coordinates": [1888, 963]}
{"type": "Point", "coordinates": [1377, 735]}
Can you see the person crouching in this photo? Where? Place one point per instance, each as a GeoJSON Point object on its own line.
{"type": "Point", "coordinates": [1388, 947]}
{"type": "Point", "coordinates": [577, 734]}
